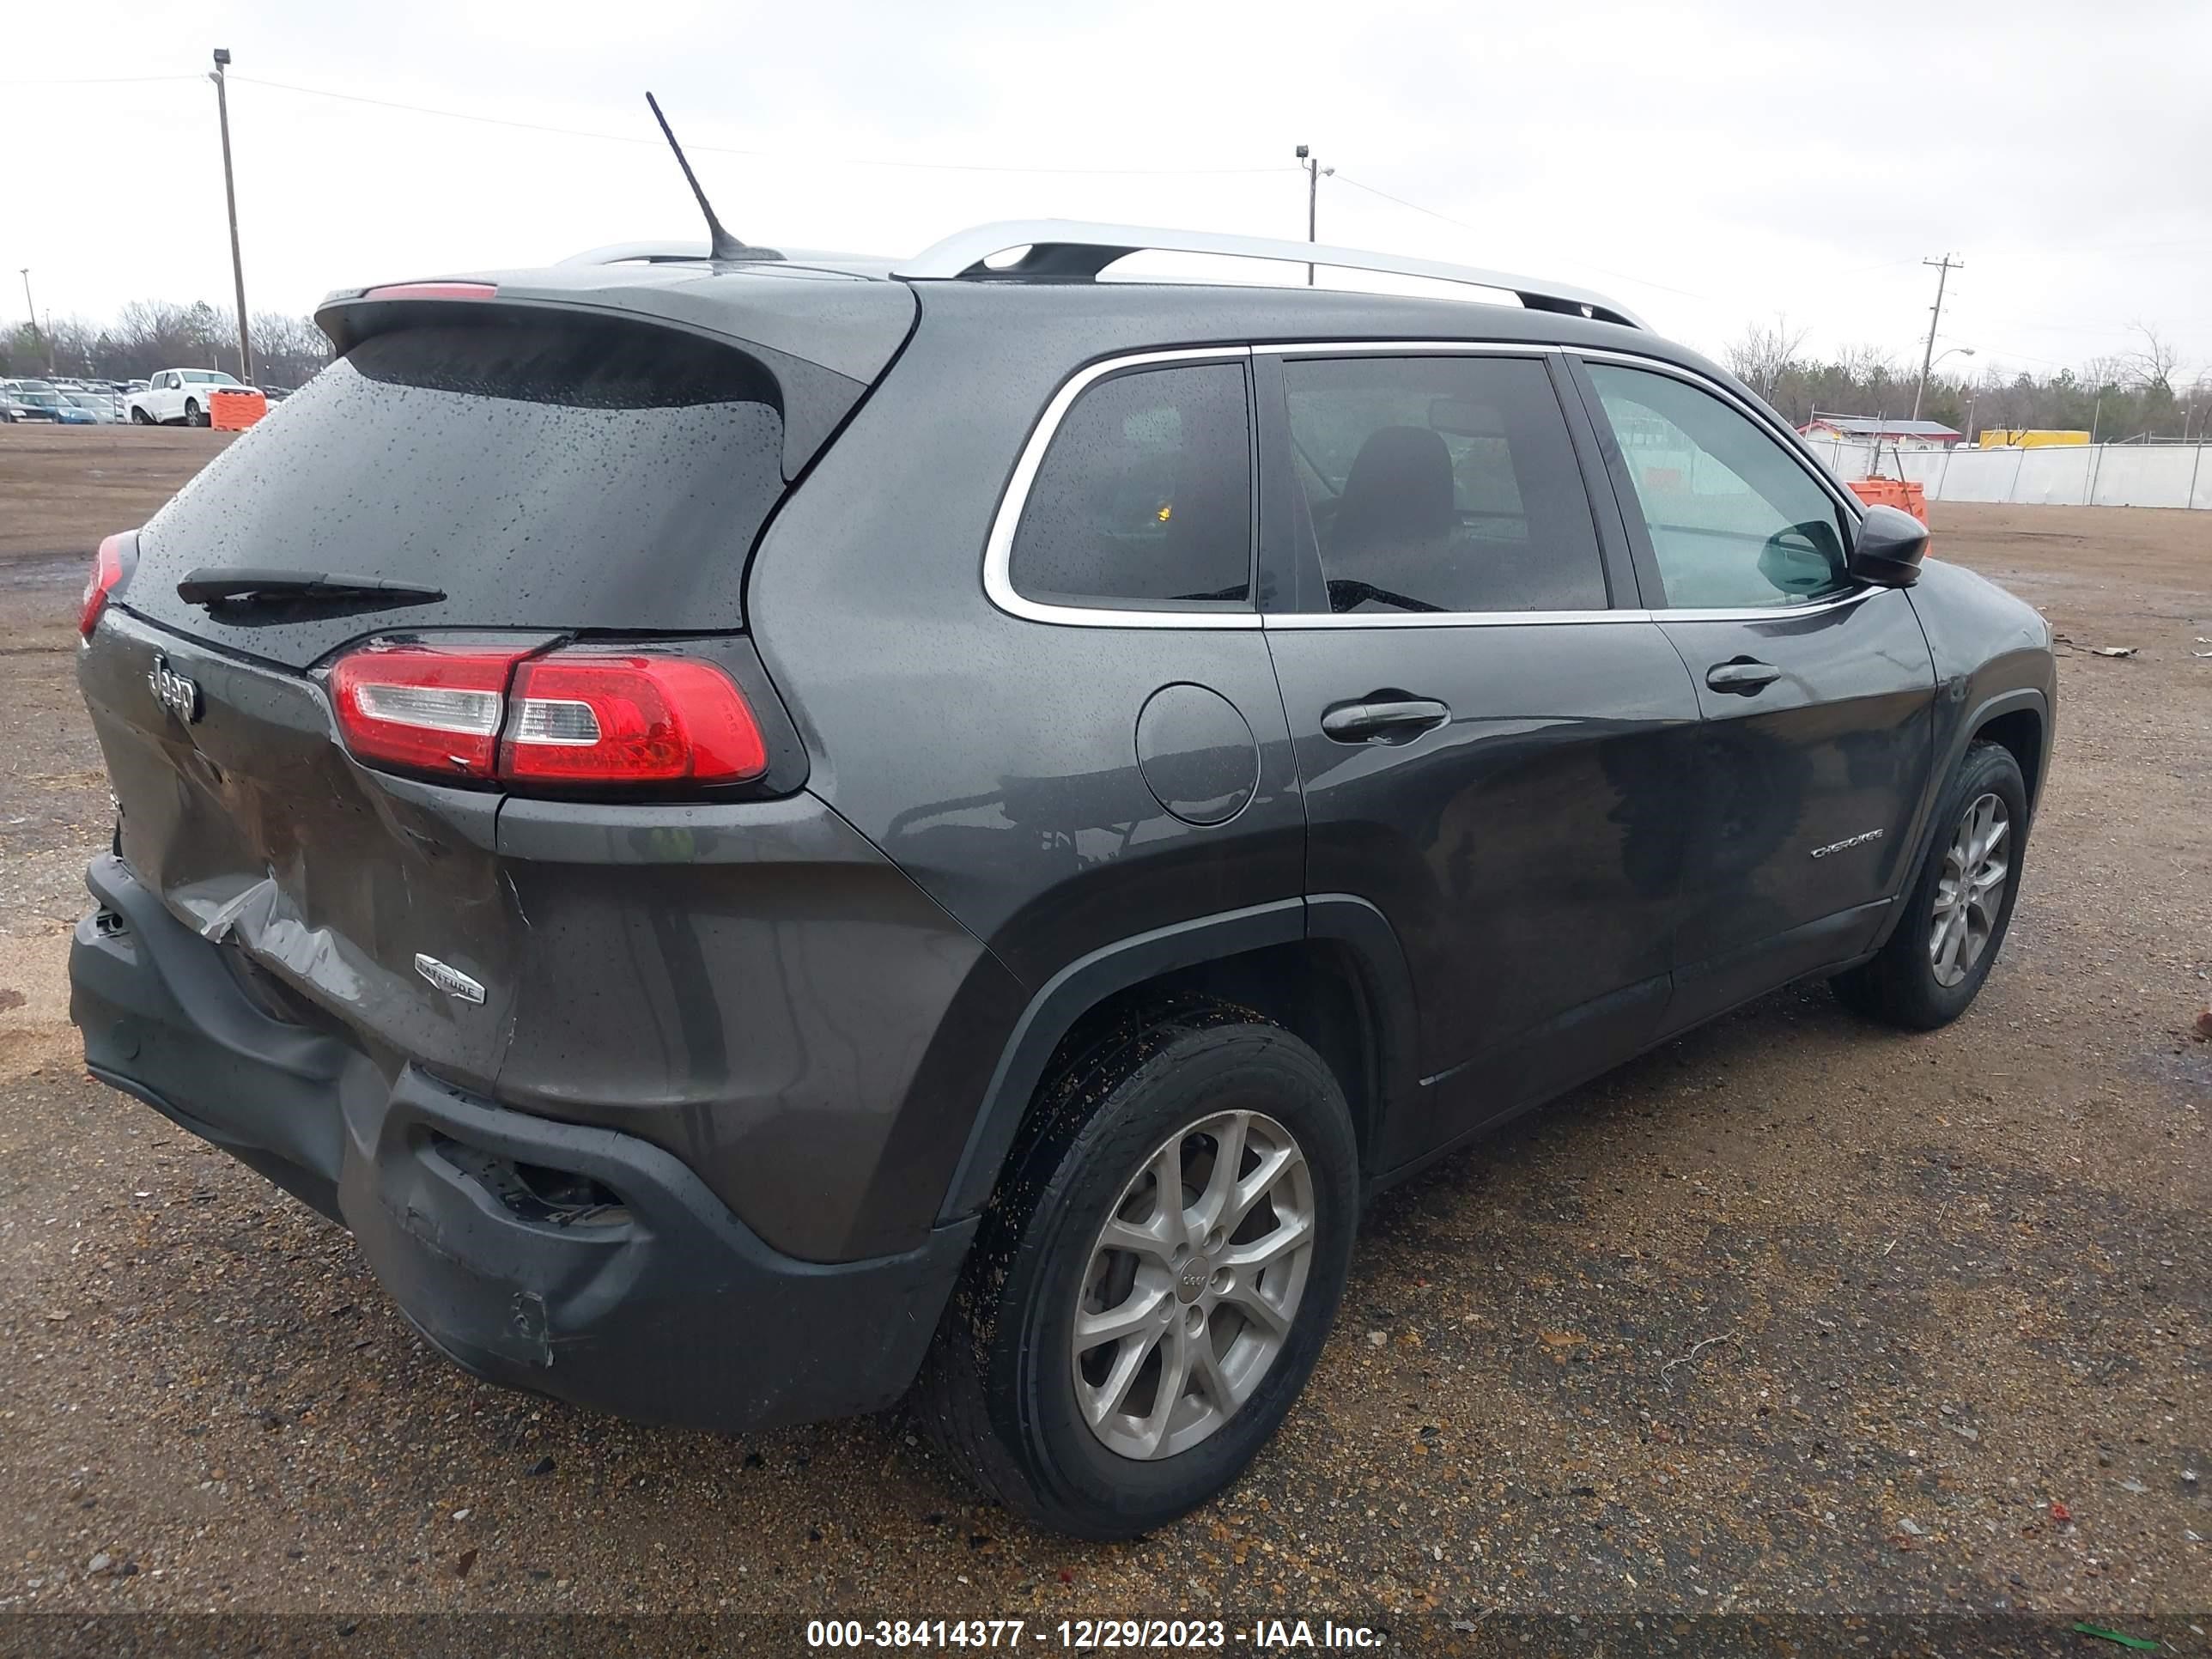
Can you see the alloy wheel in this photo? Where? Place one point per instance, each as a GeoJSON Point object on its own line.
{"type": "Point", "coordinates": [1970, 890]}
{"type": "Point", "coordinates": [1193, 1284]}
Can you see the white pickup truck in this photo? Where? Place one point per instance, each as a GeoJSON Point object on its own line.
{"type": "Point", "coordinates": [180, 396]}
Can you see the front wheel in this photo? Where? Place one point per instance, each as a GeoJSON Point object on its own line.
{"type": "Point", "coordinates": [1155, 1279]}
{"type": "Point", "coordinates": [1959, 906]}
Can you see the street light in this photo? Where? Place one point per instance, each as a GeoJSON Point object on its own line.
{"type": "Point", "coordinates": [1929, 368]}
{"type": "Point", "coordinates": [1311, 164]}
{"type": "Point", "coordinates": [230, 201]}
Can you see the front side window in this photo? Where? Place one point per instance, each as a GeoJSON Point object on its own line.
{"type": "Point", "coordinates": [1444, 483]}
{"type": "Point", "coordinates": [1736, 520]}
{"type": "Point", "coordinates": [1144, 495]}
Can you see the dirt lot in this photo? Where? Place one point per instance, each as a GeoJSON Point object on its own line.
{"type": "Point", "coordinates": [1792, 1315]}
{"type": "Point", "coordinates": [61, 484]}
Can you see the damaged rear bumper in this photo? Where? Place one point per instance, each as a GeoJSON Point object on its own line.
{"type": "Point", "coordinates": [576, 1261]}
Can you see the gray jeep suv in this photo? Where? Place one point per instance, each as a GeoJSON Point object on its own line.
{"type": "Point", "coordinates": [768, 832]}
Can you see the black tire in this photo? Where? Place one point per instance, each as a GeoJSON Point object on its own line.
{"type": "Point", "coordinates": [998, 1392]}
{"type": "Point", "coordinates": [139, 417]}
{"type": "Point", "coordinates": [1901, 987]}
{"type": "Point", "coordinates": [194, 415]}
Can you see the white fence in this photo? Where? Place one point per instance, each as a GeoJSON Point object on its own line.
{"type": "Point", "coordinates": [2083, 475]}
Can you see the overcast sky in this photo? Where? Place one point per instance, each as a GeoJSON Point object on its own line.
{"type": "Point", "coordinates": [1709, 164]}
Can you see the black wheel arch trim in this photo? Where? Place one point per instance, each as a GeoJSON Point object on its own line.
{"type": "Point", "coordinates": [1959, 740]}
{"type": "Point", "coordinates": [1085, 983]}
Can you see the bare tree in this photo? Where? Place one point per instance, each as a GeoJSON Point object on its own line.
{"type": "Point", "coordinates": [1868, 366]}
{"type": "Point", "coordinates": [287, 350]}
{"type": "Point", "coordinates": [1760, 355]}
{"type": "Point", "coordinates": [2150, 368]}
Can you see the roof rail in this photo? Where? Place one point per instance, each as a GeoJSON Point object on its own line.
{"type": "Point", "coordinates": [1069, 249]}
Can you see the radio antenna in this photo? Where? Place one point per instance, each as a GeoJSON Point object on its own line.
{"type": "Point", "coordinates": [723, 247]}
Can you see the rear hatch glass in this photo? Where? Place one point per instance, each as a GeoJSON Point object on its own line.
{"type": "Point", "coordinates": [543, 471]}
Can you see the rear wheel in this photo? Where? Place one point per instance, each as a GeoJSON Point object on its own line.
{"type": "Point", "coordinates": [1155, 1279]}
{"type": "Point", "coordinates": [1960, 905]}
{"type": "Point", "coordinates": [139, 417]}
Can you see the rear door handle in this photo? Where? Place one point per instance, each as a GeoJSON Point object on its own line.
{"type": "Point", "coordinates": [1745, 677]}
{"type": "Point", "coordinates": [1395, 720]}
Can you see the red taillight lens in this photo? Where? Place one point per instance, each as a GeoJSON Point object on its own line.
{"type": "Point", "coordinates": [106, 571]}
{"type": "Point", "coordinates": [584, 717]}
{"type": "Point", "coordinates": [580, 717]}
{"type": "Point", "coordinates": [423, 708]}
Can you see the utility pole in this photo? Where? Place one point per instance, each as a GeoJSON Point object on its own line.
{"type": "Point", "coordinates": [45, 337]}
{"type": "Point", "coordinates": [1944, 267]}
{"type": "Point", "coordinates": [230, 200]}
{"type": "Point", "coordinates": [1314, 172]}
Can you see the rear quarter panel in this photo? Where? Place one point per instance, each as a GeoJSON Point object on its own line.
{"type": "Point", "coordinates": [991, 757]}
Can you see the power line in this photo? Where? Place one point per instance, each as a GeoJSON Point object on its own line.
{"type": "Point", "coordinates": [100, 81]}
{"type": "Point", "coordinates": [725, 150]}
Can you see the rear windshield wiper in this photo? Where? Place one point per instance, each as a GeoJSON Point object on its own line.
{"type": "Point", "coordinates": [216, 585]}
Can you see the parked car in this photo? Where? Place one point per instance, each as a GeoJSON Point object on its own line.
{"type": "Point", "coordinates": [33, 400]}
{"type": "Point", "coordinates": [769, 838]}
{"type": "Point", "coordinates": [179, 397]}
{"type": "Point", "coordinates": [91, 408]}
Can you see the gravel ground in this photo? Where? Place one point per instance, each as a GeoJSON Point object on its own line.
{"type": "Point", "coordinates": [1792, 1316]}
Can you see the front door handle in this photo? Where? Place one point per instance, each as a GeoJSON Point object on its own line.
{"type": "Point", "coordinates": [1746, 677]}
{"type": "Point", "coordinates": [1383, 719]}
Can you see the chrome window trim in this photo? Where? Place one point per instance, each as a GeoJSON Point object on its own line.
{"type": "Point", "coordinates": [1771, 612]}
{"type": "Point", "coordinates": [1300, 619]}
{"type": "Point", "coordinates": [999, 549]}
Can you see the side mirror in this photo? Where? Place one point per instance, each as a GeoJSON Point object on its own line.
{"type": "Point", "coordinates": [1888, 548]}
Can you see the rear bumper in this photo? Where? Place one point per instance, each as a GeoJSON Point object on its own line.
{"type": "Point", "coordinates": [664, 1308]}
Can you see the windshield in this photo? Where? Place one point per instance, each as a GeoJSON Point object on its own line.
{"type": "Point", "coordinates": [40, 399]}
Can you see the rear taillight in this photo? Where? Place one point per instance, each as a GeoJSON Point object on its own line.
{"type": "Point", "coordinates": [583, 717]}
{"type": "Point", "coordinates": [106, 572]}
{"type": "Point", "coordinates": [422, 708]}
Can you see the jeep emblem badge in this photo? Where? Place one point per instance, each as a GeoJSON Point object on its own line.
{"type": "Point", "coordinates": [179, 695]}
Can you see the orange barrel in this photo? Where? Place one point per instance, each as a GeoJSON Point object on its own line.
{"type": "Point", "coordinates": [234, 411]}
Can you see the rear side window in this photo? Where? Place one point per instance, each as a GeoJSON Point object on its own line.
{"type": "Point", "coordinates": [1144, 499]}
{"type": "Point", "coordinates": [1442, 483]}
{"type": "Point", "coordinates": [551, 472]}
{"type": "Point", "coordinates": [1735, 519]}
